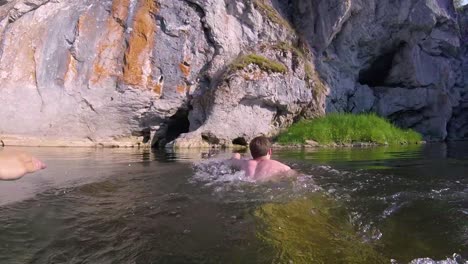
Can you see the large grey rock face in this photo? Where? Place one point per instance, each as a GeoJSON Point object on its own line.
{"type": "Point", "coordinates": [253, 101]}
{"type": "Point", "coordinates": [80, 80]}
{"type": "Point", "coordinates": [400, 59]}
{"type": "Point", "coordinates": [88, 72]}
{"type": "Point", "coordinates": [458, 126]}
{"type": "Point", "coordinates": [118, 72]}
{"type": "Point", "coordinates": [125, 72]}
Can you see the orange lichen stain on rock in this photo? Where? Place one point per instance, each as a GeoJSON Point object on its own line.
{"type": "Point", "coordinates": [184, 68]}
{"type": "Point", "coordinates": [155, 86]}
{"type": "Point", "coordinates": [20, 62]}
{"type": "Point", "coordinates": [110, 46]}
{"type": "Point", "coordinates": [157, 89]}
{"type": "Point", "coordinates": [120, 10]}
{"type": "Point", "coordinates": [71, 71]}
{"type": "Point", "coordinates": [99, 72]}
{"type": "Point", "coordinates": [99, 69]}
{"type": "Point", "coordinates": [31, 53]}
{"type": "Point", "coordinates": [181, 89]}
{"type": "Point", "coordinates": [80, 26]}
{"type": "Point", "coordinates": [140, 44]}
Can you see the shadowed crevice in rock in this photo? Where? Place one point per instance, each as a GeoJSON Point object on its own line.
{"type": "Point", "coordinates": [178, 124]}
{"type": "Point", "coordinates": [408, 118]}
{"type": "Point", "coordinates": [240, 141]}
{"type": "Point", "coordinates": [210, 138]}
{"type": "Point", "coordinates": [207, 30]}
{"type": "Point", "coordinates": [22, 8]}
{"type": "Point", "coordinates": [175, 126]}
{"type": "Point", "coordinates": [377, 73]}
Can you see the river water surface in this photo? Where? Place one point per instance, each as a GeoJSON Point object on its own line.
{"type": "Point", "coordinates": [138, 206]}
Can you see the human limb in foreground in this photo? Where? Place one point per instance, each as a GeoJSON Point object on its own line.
{"type": "Point", "coordinates": [15, 164]}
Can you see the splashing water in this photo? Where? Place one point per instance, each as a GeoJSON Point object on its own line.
{"type": "Point", "coordinates": [455, 259]}
{"type": "Point", "coordinates": [231, 184]}
{"type": "Point", "coordinates": [217, 172]}
{"type": "Point", "coordinates": [110, 206]}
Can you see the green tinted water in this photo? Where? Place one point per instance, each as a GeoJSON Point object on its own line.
{"type": "Point", "coordinates": [135, 206]}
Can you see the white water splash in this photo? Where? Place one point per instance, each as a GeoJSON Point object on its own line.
{"type": "Point", "coordinates": [231, 185]}
{"type": "Point", "coordinates": [456, 259]}
{"type": "Point", "coordinates": [216, 171]}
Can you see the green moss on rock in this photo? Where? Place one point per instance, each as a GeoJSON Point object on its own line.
{"type": "Point", "coordinates": [268, 11]}
{"type": "Point", "coordinates": [286, 47]}
{"type": "Point", "coordinates": [310, 73]}
{"type": "Point", "coordinates": [263, 63]}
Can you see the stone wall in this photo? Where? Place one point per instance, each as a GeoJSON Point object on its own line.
{"type": "Point", "coordinates": [131, 72]}
{"type": "Point", "coordinates": [400, 59]}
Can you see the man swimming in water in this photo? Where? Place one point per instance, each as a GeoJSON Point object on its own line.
{"type": "Point", "coordinates": [15, 164]}
{"type": "Point", "coordinates": [261, 167]}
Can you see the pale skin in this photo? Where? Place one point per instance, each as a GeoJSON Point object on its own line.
{"type": "Point", "coordinates": [261, 168]}
{"type": "Point", "coordinates": [15, 164]}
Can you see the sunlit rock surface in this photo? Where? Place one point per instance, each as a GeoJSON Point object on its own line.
{"type": "Point", "coordinates": [130, 72]}
{"type": "Point", "coordinates": [400, 59]}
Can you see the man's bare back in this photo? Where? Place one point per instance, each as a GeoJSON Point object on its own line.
{"type": "Point", "coordinates": [261, 167]}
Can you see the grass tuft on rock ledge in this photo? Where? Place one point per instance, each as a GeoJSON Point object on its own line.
{"type": "Point", "coordinates": [348, 129]}
{"type": "Point", "coordinates": [263, 63]}
{"type": "Point", "coordinates": [271, 13]}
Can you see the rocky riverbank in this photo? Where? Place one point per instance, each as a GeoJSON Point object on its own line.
{"type": "Point", "coordinates": [207, 72]}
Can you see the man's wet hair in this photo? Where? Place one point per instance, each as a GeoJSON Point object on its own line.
{"type": "Point", "coordinates": [259, 146]}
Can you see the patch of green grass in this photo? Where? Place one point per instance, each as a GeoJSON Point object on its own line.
{"type": "Point", "coordinates": [347, 129]}
{"type": "Point", "coordinates": [264, 63]}
{"type": "Point", "coordinates": [310, 73]}
{"type": "Point", "coordinates": [313, 75]}
{"type": "Point", "coordinates": [308, 70]}
{"type": "Point", "coordinates": [271, 13]}
{"type": "Point", "coordinates": [286, 47]}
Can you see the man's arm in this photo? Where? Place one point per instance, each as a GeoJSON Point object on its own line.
{"type": "Point", "coordinates": [236, 162]}
{"type": "Point", "coordinates": [14, 165]}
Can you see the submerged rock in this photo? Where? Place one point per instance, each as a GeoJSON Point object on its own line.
{"type": "Point", "coordinates": [312, 230]}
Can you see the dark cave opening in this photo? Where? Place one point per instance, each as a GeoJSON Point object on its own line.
{"type": "Point", "coordinates": [175, 126]}
{"type": "Point", "coordinates": [376, 74]}
{"type": "Point", "coordinates": [178, 124]}
{"type": "Point", "coordinates": [240, 141]}
{"type": "Point", "coordinates": [210, 138]}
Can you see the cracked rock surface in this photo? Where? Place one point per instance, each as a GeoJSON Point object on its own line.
{"type": "Point", "coordinates": [130, 72]}
{"type": "Point", "coordinates": [400, 59]}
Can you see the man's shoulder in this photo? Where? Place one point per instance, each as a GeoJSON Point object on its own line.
{"type": "Point", "coordinates": [278, 164]}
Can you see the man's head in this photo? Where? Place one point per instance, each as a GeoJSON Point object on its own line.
{"type": "Point", "coordinates": [260, 147]}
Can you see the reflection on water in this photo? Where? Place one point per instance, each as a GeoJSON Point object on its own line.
{"type": "Point", "coordinates": [138, 206]}
{"type": "Point", "coordinates": [76, 166]}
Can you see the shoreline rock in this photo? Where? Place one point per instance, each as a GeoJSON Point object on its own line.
{"type": "Point", "coordinates": [189, 142]}
{"type": "Point", "coordinates": [316, 145]}
{"type": "Point", "coordinates": [116, 69]}
{"type": "Point", "coordinates": [26, 141]}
